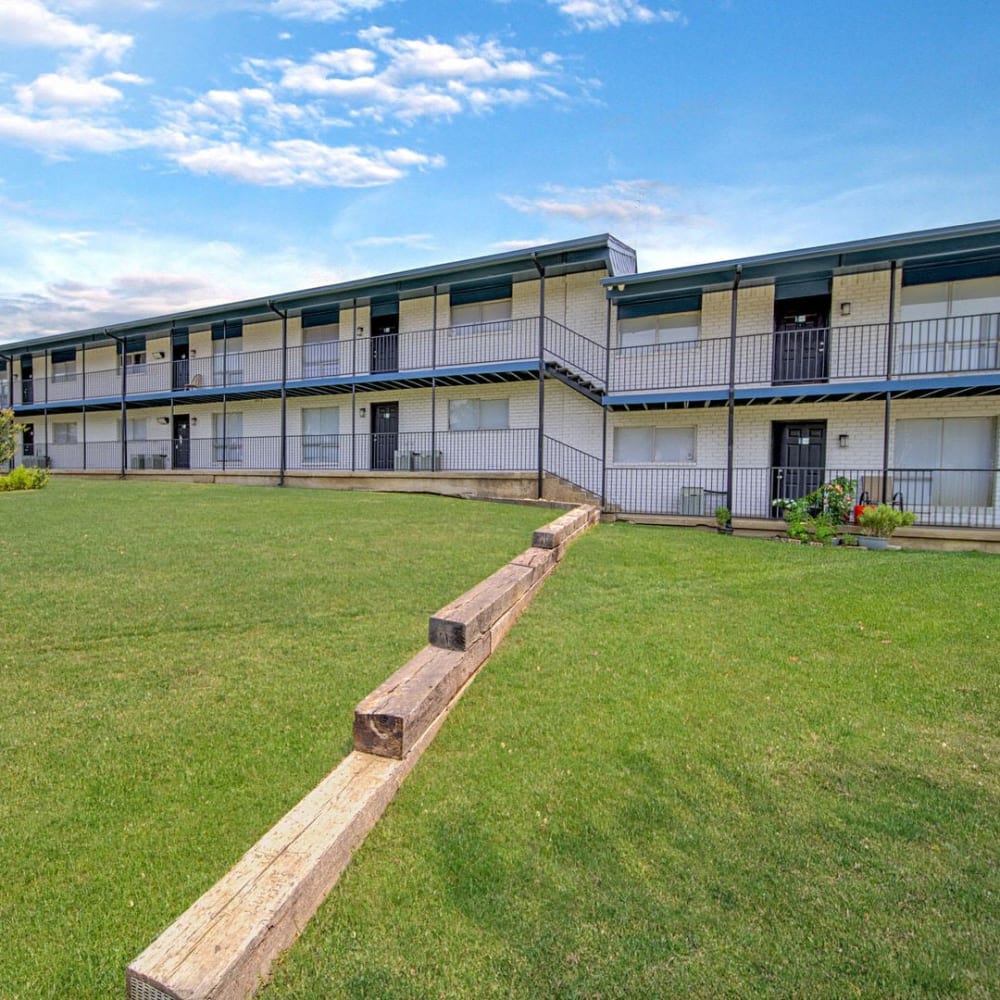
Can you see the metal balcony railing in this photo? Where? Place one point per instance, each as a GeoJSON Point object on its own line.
{"type": "Point", "coordinates": [831, 355]}
{"type": "Point", "coordinates": [965, 498]}
{"type": "Point", "coordinates": [959, 345]}
{"type": "Point", "coordinates": [511, 450]}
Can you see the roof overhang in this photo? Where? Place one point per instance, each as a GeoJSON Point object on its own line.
{"type": "Point", "coordinates": [835, 258]}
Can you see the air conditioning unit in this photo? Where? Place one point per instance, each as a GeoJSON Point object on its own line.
{"type": "Point", "coordinates": [427, 461]}
{"type": "Point", "coordinates": [402, 461]}
{"type": "Point", "coordinates": [692, 501]}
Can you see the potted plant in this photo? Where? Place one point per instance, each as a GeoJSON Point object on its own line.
{"type": "Point", "coordinates": [723, 520]}
{"type": "Point", "coordinates": [818, 515]}
{"type": "Point", "coordinates": [879, 522]}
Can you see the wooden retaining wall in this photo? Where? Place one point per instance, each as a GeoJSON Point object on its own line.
{"type": "Point", "coordinates": [223, 946]}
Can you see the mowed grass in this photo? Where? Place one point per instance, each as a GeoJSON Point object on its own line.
{"type": "Point", "coordinates": [179, 665]}
{"type": "Point", "coordinates": [700, 766]}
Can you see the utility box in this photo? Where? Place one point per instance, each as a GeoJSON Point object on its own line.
{"type": "Point", "coordinates": [692, 500]}
{"type": "Point", "coordinates": [427, 461]}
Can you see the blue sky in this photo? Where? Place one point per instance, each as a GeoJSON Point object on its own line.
{"type": "Point", "coordinates": [157, 156]}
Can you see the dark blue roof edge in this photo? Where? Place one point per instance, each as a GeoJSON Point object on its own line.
{"type": "Point", "coordinates": [580, 254]}
{"type": "Point", "coordinates": [865, 246]}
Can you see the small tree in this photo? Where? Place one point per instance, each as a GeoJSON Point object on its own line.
{"type": "Point", "coordinates": [8, 430]}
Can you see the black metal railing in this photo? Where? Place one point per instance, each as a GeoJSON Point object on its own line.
{"type": "Point", "coordinates": [574, 354]}
{"type": "Point", "coordinates": [940, 497]}
{"type": "Point", "coordinates": [959, 345]}
{"type": "Point", "coordinates": [955, 497]}
{"type": "Point", "coordinates": [572, 465]}
{"type": "Point", "coordinates": [510, 450]}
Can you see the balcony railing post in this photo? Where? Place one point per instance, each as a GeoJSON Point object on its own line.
{"type": "Point", "coordinates": [889, 349]}
{"type": "Point", "coordinates": [283, 444]}
{"type": "Point", "coordinates": [354, 382]}
{"type": "Point", "coordinates": [604, 408]}
{"type": "Point", "coordinates": [434, 326]}
{"type": "Point", "coordinates": [541, 376]}
{"type": "Point", "coordinates": [731, 401]}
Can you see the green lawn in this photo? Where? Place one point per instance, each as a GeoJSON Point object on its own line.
{"type": "Point", "coordinates": [700, 766]}
{"type": "Point", "coordinates": [179, 666]}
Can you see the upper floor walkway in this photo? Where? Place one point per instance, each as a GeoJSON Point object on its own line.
{"type": "Point", "coordinates": [959, 354]}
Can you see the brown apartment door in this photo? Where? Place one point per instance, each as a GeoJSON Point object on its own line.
{"type": "Point", "coordinates": [385, 435]}
{"type": "Point", "coordinates": [798, 458]}
{"type": "Point", "coordinates": [182, 441]}
{"type": "Point", "coordinates": [800, 339]}
{"type": "Point", "coordinates": [385, 344]}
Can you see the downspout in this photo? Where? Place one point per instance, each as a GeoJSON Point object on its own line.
{"type": "Point", "coordinates": [354, 383]}
{"type": "Point", "coordinates": [46, 403]}
{"type": "Point", "coordinates": [284, 390]}
{"type": "Point", "coordinates": [83, 396]}
{"type": "Point", "coordinates": [10, 397]}
{"type": "Point", "coordinates": [541, 375]}
{"type": "Point", "coordinates": [225, 395]}
{"type": "Point", "coordinates": [889, 350]}
{"type": "Point", "coordinates": [434, 325]}
{"type": "Point", "coordinates": [124, 362]}
{"type": "Point", "coordinates": [731, 401]}
{"type": "Point", "coordinates": [604, 410]}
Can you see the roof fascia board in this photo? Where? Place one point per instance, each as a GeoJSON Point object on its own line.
{"type": "Point", "coordinates": [586, 253]}
{"type": "Point", "coordinates": [976, 237]}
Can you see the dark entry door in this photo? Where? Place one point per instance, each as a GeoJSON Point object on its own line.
{"type": "Point", "coordinates": [385, 344]}
{"type": "Point", "coordinates": [385, 434]}
{"type": "Point", "coordinates": [798, 458]}
{"type": "Point", "coordinates": [28, 440]}
{"type": "Point", "coordinates": [800, 341]}
{"type": "Point", "coordinates": [182, 441]}
{"type": "Point", "coordinates": [27, 379]}
{"type": "Point", "coordinates": [182, 364]}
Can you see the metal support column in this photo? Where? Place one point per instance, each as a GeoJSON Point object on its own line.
{"type": "Point", "coordinates": [354, 384]}
{"type": "Point", "coordinates": [83, 396]}
{"type": "Point", "coordinates": [284, 391]}
{"type": "Point", "coordinates": [46, 405]}
{"type": "Point", "coordinates": [731, 400]}
{"type": "Point", "coordinates": [604, 409]}
{"type": "Point", "coordinates": [434, 325]}
{"type": "Point", "coordinates": [541, 375]}
{"type": "Point", "coordinates": [889, 351]}
{"type": "Point", "coordinates": [225, 394]}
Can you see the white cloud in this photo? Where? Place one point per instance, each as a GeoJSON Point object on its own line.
{"type": "Point", "coordinates": [628, 201]}
{"type": "Point", "coordinates": [321, 10]}
{"type": "Point", "coordinates": [55, 279]}
{"type": "Point", "coordinates": [32, 23]}
{"type": "Point", "coordinates": [419, 241]}
{"type": "Point", "coordinates": [414, 78]}
{"type": "Point", "coordinates": [58, 135]}
{"type": "Point", "coordinates": [302, 162]}
{"type": "Point", "coordinates": [596, 15]}
{"type": "Point", "coordinates": [69, 91]}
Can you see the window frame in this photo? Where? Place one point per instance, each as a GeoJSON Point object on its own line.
{"type": "Point", "coordinates": [227, 448]}
{"type": "Point", "coordinates": [477, 407]}
{"type": "Point", "coordinates": [653, 431]}
{"type": "Point", "coordinates": [660, 325]}
{"type": "Point", "coordinates": [328, 450]}
{"type": "Point", "coordinates": [479, 322]}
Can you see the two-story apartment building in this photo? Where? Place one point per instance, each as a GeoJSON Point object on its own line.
{"type": "Point", "coordinates": [562, 367]}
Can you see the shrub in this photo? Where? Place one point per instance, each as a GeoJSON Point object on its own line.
{"type": "Point", "coordinates": [24, 479]}
{"type": "Point", "coordinates": [882, 520]}
{"type": "Point", "coordinates": [818, 514]}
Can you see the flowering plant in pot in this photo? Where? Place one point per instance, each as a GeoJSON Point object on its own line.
{"type": "Point", "coordinates": [879, 522]}
{"type": "Point", "coordinates": [817, 515]}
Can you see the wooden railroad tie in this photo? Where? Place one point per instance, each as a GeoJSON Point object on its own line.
{"type": "Point", "coordinates": [223, 946]}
